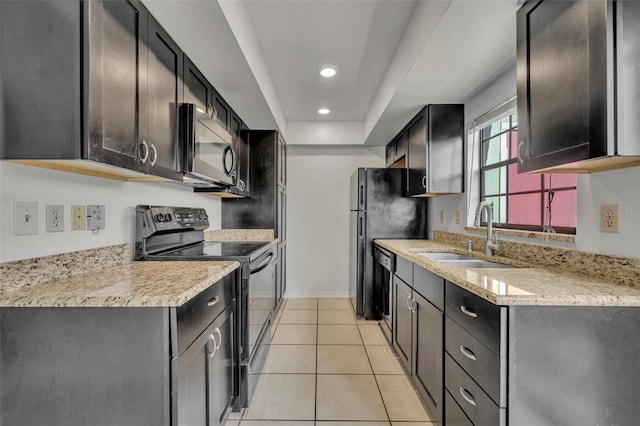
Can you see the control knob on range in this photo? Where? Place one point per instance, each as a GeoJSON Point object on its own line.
{"type": "Point", "coordinates": [159, 217]}
{"type": "Point", "coordinates": [167, 217]}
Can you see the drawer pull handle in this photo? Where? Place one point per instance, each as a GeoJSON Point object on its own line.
{"type": "Point", "coordinates": [213, 301]}
{"type": "Point", "coordinates": [467, 396]}
{"type": "Point", "coordinates": [468, 312]}
{"type": "Point", "coordinates": [468, 353]}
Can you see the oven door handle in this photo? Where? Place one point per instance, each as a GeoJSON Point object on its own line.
{"type": "Point", "coordinates": [262, 265]}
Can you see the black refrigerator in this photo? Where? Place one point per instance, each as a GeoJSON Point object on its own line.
{"type": "Point", "coordinates": [378, 210]}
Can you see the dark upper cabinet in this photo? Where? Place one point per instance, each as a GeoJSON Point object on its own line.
{"type": "Point", "coordinates": [265, 208]}
{"type": "Point", "coordinates": [238, 131]}
{"type": "Point", "coordinates": [41, 94]}
{"type": "Point", "coordinates": [282, 162]}
{"type": "Point", "coordinates": [100, 81]}
{"type": "Point", "coordinates": [395, 150]}
{"type": "Point", "coordinates": [118, 107]}
{"type": "Point", "coordinates": [197, 89]}
{"type": "Point", "coordinates": [164, 96]}
{"type": "Point", "coordinates": [222, 110]}
{"type": "Point", "coordinates": [435, 151]}
{"type": "Point", "coordinates": [576, 83]}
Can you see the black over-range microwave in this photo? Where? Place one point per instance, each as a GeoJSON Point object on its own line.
{"type": "Point", "coordinates": [209, 158]}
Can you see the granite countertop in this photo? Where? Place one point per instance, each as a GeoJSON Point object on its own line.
{"type": "Point", "coordinates": [132, 284]}
{"type": "Point", "coordinates": [527, 285]}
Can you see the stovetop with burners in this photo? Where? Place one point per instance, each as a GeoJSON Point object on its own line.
{"type": "Point", "coordinates": [215, 249]}
{"type": "Point", "coordinates": [176, 233]}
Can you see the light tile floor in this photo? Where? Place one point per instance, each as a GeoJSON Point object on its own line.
{"type": "Point", "coordinates": [328, 368]}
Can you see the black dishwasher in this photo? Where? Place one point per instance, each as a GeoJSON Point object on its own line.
{"type": "Point", "coordinates": [383, 270]}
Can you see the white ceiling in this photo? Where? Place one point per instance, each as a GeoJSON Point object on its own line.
{"type": "Point", "coordinates": [393, 57]}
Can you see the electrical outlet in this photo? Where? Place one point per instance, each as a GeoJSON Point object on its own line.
{"type": "Point", "coordinates": [95, 218]}
{"type": "Point", "coordinates": [442, 217]}
{"type": "Point", "coordinates": [78, 218]}
{"type": "Point", "coordinates": [610, 218]}
{"type": "Point", "coordinates": [54, 215]}
{"type": "Point", "coordinates": [25, 218]}
{"type": "Point", "coordinates": [458, 220]}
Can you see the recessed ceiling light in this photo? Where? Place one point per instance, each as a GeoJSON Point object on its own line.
{"type": "Point", "coordinates": [328, 71]}
{"type": "Point", "coordinates": [323, 111]}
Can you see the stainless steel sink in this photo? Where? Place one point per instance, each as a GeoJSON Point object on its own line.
{"type": "Point", "coordinates": [447, 256]}
{"type": "Point", "coordinates": [476, 263]}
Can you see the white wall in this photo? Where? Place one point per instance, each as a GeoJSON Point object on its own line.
{"type": "Point", "coordinates": [614, 187]}
{"type": "Point", "coordinates": [318, 217]}
{"type": "Point", "coordinates": [24, 183]}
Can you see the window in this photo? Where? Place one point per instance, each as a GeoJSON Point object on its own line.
{"type": "Point", "coordinates": [535, 202]}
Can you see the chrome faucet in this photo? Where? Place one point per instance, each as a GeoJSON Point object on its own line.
{"type": "Point", "coordinates": [491, 244]}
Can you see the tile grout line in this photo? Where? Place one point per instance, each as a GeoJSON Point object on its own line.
{"type": "Point", "coordinates": [375, 378]}
{"type": "Point", "coordinates": [315, 396]}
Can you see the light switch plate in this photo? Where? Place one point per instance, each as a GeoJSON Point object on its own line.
{"type": "Point", "coordinates": [95, 218]}
{"type": "Point", "coordinates": [78, 218]}
{"type": "Point", "coordinates": [25, 218]}
{"type": "Point", "coordinates": [610, 218]}
{"type": "Point", "coordinates": [442, 217]}
{"type": "Point", "coordinates": [458, 220]}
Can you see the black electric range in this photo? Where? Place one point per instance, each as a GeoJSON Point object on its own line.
{"type": "Point", "coordinates": [166, 233]}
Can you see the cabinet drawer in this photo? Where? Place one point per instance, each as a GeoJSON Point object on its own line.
{"type": "Point", "coordinates": [484, 320]}
{"type": "Point", "coordinates": [487, 368]}
{"type": "Point", "coordinates": [195, 315]}
{"type": "Point", "coordinates": [454, 416]}
{"type": "Point", "coordinates": [429, 285]}
{"type": "Point", "coordinates": [404, 269]}
{"type": "Point", "coordinates": [475, 403]}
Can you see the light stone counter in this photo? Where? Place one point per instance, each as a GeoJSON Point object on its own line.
{"type": "Point", "coordinates": [132, 284]}
{"type": "Point", "coordinates": [518, 286]}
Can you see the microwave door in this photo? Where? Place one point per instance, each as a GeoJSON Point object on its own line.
{"type": "Point", "coordinates": [209, 155]}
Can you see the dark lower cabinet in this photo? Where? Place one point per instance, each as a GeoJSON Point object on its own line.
{"type": "Point", "coordinates": [105, 366]}
{"type": "Point", "coordinates": [428, 329]}
{"type": "Point", "coordinates": [403, 323]}
{"type": "Point", "coordinates": [206, 385]}
{"type": "Point", "coordinates": [454, 416]}
{"type": "Point", "coordinates": [418, 328]}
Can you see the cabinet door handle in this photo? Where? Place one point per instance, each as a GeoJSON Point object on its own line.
{"type": "Point", "coordinates": [211, 346]}
{"type": "Point", "coordinates": [468, 353]}
{"type": "Point", "coordinates": [424, 182]}
{"type": "Point", "coordinates": [468, 312]}
{"type": "Point", "coordinates": [144, 158]}
{"type": "Point", "coordinates": [213, 301]}
{"type": "Point", "coordinates": [521, 156]}
{"type": "Point", "coordinates": [219, 341]}
{"type": "Point", "coordinates": [155, 155]}
{"type": "Point", "coordinates": [409, 302]}
{"type": "Point", "coordinates": [414, 302]}
{"type": "Point", "coordinates": [467, 396]}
